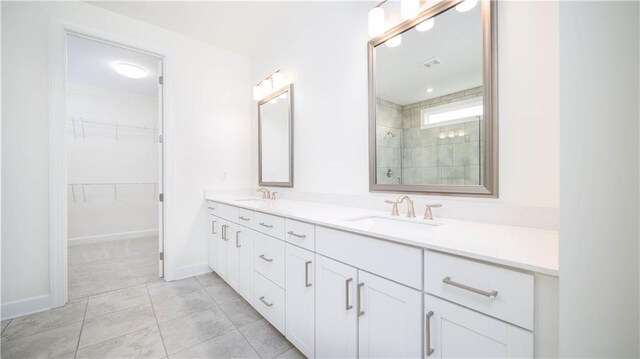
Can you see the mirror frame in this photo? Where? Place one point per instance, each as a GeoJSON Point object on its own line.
{"type": "Point", "coordinates": [289, 89]}
{"type": "Point", "coordinates": [490, 102]}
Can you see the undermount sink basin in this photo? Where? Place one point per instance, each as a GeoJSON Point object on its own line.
{"type": "Point", "coordinates": [388, 224]}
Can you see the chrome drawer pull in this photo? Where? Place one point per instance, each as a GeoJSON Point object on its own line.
{"type": "Point", "coordinates": [212, 208]}
{"type": "Point", "coordinates": [213, 227]}
{"type": "Point", "coordinates": [306, 274]}
{"type": "Point", "coordinates": [244, 218]}
{"type": "Point", "coordinates": [224, 232]}
{"type": "Point", "coordinates": [347, 306]}
{"type": "Point", "coordinates": [493, 294]}
{"type": "Point", "coordinates": [427, 332]}
{"type": "Point", "coordinates": [265, 302]}
{"type": "Point", "coordinates": [360, 311]}
{"type": "Point", "coordinates": [266, 225]}
{"type": "Point", "coordinates": [238, 239]}
{"type": "Point", "coordinates": [265, 258]}
{"type": "Point", "coordinates": [292, 233]}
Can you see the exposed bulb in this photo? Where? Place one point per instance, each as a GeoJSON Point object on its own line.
{"type": "Point", "coordinates": [278, 80]}
{"type": "Point", "coordinates": [376, 21]}
{"type": "Point", "coordinates": [466, 5]}
{"type": "Point", "coordinates": [409, 9]}
{"type": "Point", "coordinates": [426, 25]}
{"type": "Point", "coordinates": [394, 41]}
{"type": "Point", "coordinates": [267, 88]}
{"type": "Point", "coordinates": [257, 92]}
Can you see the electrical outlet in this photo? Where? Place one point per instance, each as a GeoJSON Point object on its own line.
{"type": "Point", "coordinates": [223, 176]}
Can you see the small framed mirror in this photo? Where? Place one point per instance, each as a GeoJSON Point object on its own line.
{"type": "Point", "coordinates": [275, 139]}
{"type": "Point", "coordinates": [433, 104]}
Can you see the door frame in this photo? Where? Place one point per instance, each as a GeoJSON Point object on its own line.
{"type": "Point", "coordinates": [58, 191]}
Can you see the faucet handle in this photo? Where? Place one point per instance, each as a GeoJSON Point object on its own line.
{"type": "Point", "coordinates": [394, 210]}
{"type": "Point", "coordinates": [273, 195]}
{"type": "Point", "coordinates": [428, 214]}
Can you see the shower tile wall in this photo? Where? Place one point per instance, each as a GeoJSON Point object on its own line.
{"type": "Point", "coordinates": [424, 157]}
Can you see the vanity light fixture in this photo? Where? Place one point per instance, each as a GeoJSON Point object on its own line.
{"type": "Point", "coordinates": [273, 82]}
{"type": "Point", "coordinates": [130, 70]}
{"type": "Point", "coordinates": [426, 25]}
{"type": "Point", "coordinates": [394, 41]}
{"type": "Point", "coordinates": [409, 9]}
{"type": "Point", "coordinates": [376, 20]}
{"type": "Point", "coordinates": [466, 5]}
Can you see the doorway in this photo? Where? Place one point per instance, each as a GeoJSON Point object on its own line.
{"type": "Point", "coordinates": [114, 157]}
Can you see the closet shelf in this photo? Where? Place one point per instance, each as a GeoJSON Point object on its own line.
{"type": "Point", "coordinates": [81, 122]}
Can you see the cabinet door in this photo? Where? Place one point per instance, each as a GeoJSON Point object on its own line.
{"type": "Point", "coordinates": [452, 331]}
{"type": "Point", "coordinates": [300, 299]}
{"type": "Point", "coordinates": [233, 277]}
{"type": "Point", "coordinates": [223, 249]}
{"type": "Point", "coordinates": [244, 243]}
{"type": "Point", "coordinates": [214, 233]}
{"type": "Point", "coordinates": [336, 319]}
{"type": "Point", "coordinates": [390, 324]}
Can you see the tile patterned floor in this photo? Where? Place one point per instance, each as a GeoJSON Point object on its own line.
{"type": "Point", "coordinates": [199, 317]}
{"type": "Point", "coordinates": [103, 267]}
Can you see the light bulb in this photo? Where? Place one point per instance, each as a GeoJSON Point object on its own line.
{"type": "Point", "coordinates": [266, 87]}
{"type": "Point", "coordinates": [278, 80]}
{"type": "Point", "coordinates": [466, 5]}
{"type": "Point", "coordinates": [426, 25]}
{"type": "Point", "coordinates": [257, 92]}
{"type": "Point", "coordinates": [409, 9]}
{"type": "Point", "coordinates": [376, 21]}
{"type": "Point", "coordinates": [394, 41]}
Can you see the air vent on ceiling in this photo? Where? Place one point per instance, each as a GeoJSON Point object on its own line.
{"type": "Point", "coordinates": [429, 64]}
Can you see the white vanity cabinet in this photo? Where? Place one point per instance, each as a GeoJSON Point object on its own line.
{"type": "Point", "coordinates": [212, 241]}
{"type": "Point", "coordinates": [222, 250]}
{"type": "Point", "coordinates": [452, 331]}
{"type": "Point", "coordinates": [300, 299]}
{"type": "Point", "coordinates": [240, 260]}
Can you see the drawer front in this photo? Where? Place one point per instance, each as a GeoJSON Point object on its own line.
{"type": "Point", "coordinates": [269, 301]}
{"type": "Point", "coordinates": [495, 291]}
{"type": "Point", "coordinates": [301, 234]}
{"type": "Point", "coordinates": [397, 262]}
{"type": "Point", "coordinates": [244, 217]}
{"type": "Point", "coordinates": [223, 211]}
{"type": "Point", "coordinates": [268, 224]}
{"type": "Point", "coordinates": [269, 258]}
{"type": "Point", "coordinates": [212, 208]}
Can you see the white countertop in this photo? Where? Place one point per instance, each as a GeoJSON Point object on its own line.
{"type": "Point", "coordinates": [518, 247]}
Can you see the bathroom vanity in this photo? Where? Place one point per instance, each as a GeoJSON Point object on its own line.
{"type": "Point", "coordinates": [345, 282]}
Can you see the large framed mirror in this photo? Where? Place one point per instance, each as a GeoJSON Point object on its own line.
{"type": "Point", "coordinates": [433, 103]}
{"type": "Point", "coordinates": [275, 139]}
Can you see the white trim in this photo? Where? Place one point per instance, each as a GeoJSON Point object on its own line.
{"type": "Point", "coordinates": [109, 237]}
{"type": "Point", "coordinates": [22, 307]}
{"type": "Point", "coordinates": [192, 270]}
{"type": "Point", "coordinates": [58, 29]}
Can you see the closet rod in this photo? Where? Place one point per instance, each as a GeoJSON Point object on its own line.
{"type": "Point", "coordinates": [114, 124]}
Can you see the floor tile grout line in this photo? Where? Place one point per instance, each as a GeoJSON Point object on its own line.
{"type": "Point", "coordinates": [84, 317]}
{"type": "Point", "coordinates": [40, 331]}
{"type": "Point", "coordinates": [6, 326]}
{"type": "Point", "coordinates": [232, 323]}
{"type": "Point", "coordinates": [153, 309]}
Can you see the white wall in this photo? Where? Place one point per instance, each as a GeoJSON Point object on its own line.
{"type": "Point", "coordinates": [599, 179]}
{"type": "Point", "coordinates": [208, 113]}
{"type": "Point", "coordinates": [97, 157]}
{"type": "Point", "coordinates": [326, 59]}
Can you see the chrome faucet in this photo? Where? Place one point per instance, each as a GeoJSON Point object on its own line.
{"type": "Point", "coordinates": [411, 213]}
{"type": "Point", "coordinates": [427, 213]}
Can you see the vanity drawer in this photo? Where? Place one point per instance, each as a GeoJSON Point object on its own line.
{"type": "Point", "coordinates": [223, 211]}
{"type": "Point", "coordinates": [397, 262]}
{"type": "Point", "coordinates": [269, 301]}
{"type": "Point", "coordinates": [301, 234]}
{"type": "Point", "coordinates": [268, 224]}
{"type": "Point", "coordinates": [269, 258]}
{"type": "Point", "coordinates": [471, 284]}
{"type": "Point", "coordinates": [244, 217]}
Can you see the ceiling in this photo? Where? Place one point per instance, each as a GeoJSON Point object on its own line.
{"type": "Point", "coordinates": [455, 40]}
{"type": "Point", "coordinates": [244, 27]}
{"type": "Point", "coordinates": [90, 62]}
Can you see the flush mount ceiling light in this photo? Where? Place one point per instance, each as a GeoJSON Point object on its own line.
{"type": "Point", "coordinates": [130, 70]}
{"type": "Point", "coordinates": [273, 82]}
{"type": "Point", "coordinates": [429, 90]}
{"type": "Point", "coordinates": [426, 25]}
{"type": "Point", "coordinates": [466, 5]}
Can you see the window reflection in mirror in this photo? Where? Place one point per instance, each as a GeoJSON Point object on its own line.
{"type": "Point", "coordinates": [429, 103]}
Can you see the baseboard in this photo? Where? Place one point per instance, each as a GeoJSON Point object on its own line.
{"type": "Point", "coordinates": [112, 237]}
{"type": "Point", "coordinates": [22, 307]}
{"type": "Point", "coordinates": [191, 270]}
